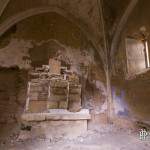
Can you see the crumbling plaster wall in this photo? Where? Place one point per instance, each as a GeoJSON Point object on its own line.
{"type": "Point", "coordinates": [12, 100]}
{"type": "Point", "coordinates": [84, 11]}
{"type": "Point", "coordinates": [136, 91]}
{"type": "Point", "coordinates": [40, 37]}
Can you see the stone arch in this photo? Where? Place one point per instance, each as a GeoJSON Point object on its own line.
{"type": "Point", "coordinates": [35, 11]}
{"type": "Point", "coordinates": [120, 27]}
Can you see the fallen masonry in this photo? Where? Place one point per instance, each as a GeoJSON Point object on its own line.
{"type": "Point", "coordinates": [54, 102]}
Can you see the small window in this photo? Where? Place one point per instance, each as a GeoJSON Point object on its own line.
{"type": "Point", "coordinates": [137, 56]}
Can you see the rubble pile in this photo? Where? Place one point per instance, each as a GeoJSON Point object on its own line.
{"type": "Point", "coordinates": [53, 87]}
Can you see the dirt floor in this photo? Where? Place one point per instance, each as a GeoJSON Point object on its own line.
{"type": "Point", "coordinates": [106, 138]}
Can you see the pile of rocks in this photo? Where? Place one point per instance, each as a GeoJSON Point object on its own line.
{"type": "Point", "coordinates": [53, 87]}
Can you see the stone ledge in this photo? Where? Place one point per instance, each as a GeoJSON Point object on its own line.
{"type": "Point", "coordinates": [54, 130]}
{"type": "Point", "coordinates": [57, 114]}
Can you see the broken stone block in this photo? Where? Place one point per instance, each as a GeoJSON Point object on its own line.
{"type": "Point", "coordinates": [38, 91]}
{"type": "Point", "coordinates": [63, 105]}
{"type": "Point", "coordinates": [68, 130]}
{"type": "Point", "coordinates": [52, 105]}
{"type": "Point", "coordinates": [74, 103]}
{"type": "Point", "coordinates": [55, 66]}
{"type": "Point", "coordinates": [75, 97]}
{"type": "Point", "coordinates": [37, 106]}
{"type": "Point", "coordinates": [74, 78]}
{"type": "Point", "coordinates": [74, 106]}
{"type": "Point", "coordinates": [33, 117]}
{"type": "Point", "coordinates": [35, 80]}
{"type": "Point", "coordinates": [33, 95]}
{"type": "Point", "coordinates": [59, 91]}
{"type": "Point", "coordinates": [58, 83]}
{"type": "Point", "coordinates": [75, 90]}
{"type": "Point", "coordinates": [43, 96]}
{"type": "Point", "coordinates": [38, 96]}
{"type": "Point", "coordinates": [57, 114]}
{"type": "Point", "coordinates": [35, 88]}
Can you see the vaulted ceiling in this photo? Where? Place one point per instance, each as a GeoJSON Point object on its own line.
{"type": "Point", "coordinates": [92, 16]}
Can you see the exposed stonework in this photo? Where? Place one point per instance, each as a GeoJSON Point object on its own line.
{"type": "Point", "coordinates": [50, 35]}
{"type": "Point", "coordinates": [88, 13]}
{"type": "Point", "coordinates": [136, 88]}
{"type": "Point", "coordinates": [14, 54]}
{"type": "Point", "coordinates": [88, 38]}
{"type": "Point", "coordinates": [12, 94]}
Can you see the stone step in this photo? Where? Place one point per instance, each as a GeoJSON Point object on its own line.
{"type": "Point", "coordinates": [57, 114]}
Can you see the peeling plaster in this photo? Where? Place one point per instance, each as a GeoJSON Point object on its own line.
{"type": "Point", "coordinates": [13, 53]}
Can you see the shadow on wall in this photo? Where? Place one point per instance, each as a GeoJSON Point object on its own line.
{"type": "Point", "coordinates": [12, 99]}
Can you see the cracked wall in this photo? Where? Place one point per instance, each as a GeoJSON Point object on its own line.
{"type": "Point", "coordinates": [51, 35]}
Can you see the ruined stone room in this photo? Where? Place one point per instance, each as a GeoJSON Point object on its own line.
{"type": "Point", "coordinates": [74, 75]}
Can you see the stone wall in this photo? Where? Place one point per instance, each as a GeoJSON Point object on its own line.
{"type": "Point", "coordinates": [84, 11]}
{"type": "Point", "coordinates": [45, 36]}
{"type": "Point", "coordinates": [136, 90]}
{"type": "Point", "coordinates": [12, 99]}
